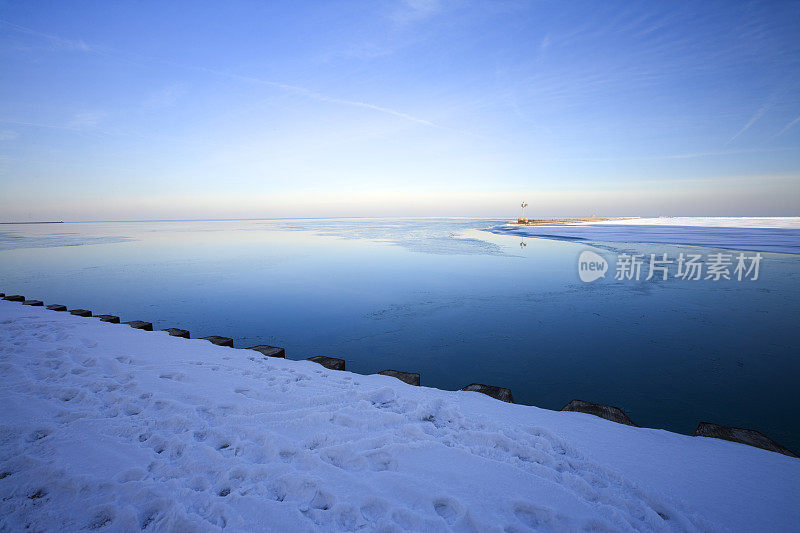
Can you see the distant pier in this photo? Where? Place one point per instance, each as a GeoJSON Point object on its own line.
{"type": "Point", "coordinates": [550, 221]}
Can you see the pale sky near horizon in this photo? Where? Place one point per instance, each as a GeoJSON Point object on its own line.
{"type": "Point", "coordinates": [151, 110]}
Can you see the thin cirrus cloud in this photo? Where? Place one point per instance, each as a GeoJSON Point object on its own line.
{"type": "Point", "coordinates": [167, 96]}
{"type": "Point", "coordinates": [753, 119]}
{"type": "Point", "coordinates": [415, 96]}
{"type": "Point", "coordinates": [55, 42]}
{"type": "Point", "coordinates": [411, 11]}
{"type": "Point", "coordinates": [86, 120]}
{"type": "Point", "coordinates": [318, 96]}
{"type": "Point", "coordinates": [789, 126]}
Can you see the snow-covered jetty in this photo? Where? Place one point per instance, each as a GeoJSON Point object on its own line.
{"type": "Point", "coordinates": [551, 221]}
{"type": "Point", "coordinates": [112, 427]}
{"type": "Point", "coordinates": [759, 234]}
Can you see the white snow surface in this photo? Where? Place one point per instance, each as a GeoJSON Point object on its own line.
{"type": "Point", "coordinates": [759, 234]}
{"type": "Point", "coordinates": [708, 222]}
{"type": "Point", "coordinates": [111, 428]}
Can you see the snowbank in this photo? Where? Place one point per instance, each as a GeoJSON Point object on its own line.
{"type": "Point", "coordinates": [779, 235]}
{"type": "Point", "coordinates": [108, 427]}
{"type": "Point", "coordinates": [709, 222]}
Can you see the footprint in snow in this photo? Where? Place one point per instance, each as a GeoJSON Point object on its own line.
{"type": "Point", "coordinates": [132, 409]}
{"type": "Point", "coordinates": [381, 461]}
{"type": "Point", "coordinates": [537, 517]}
{"type": "Point", "coordinates": [132, 474]}
{"type": "Point", "coordinates": [374, 509]}
{"type": "Point", "coordinates": [448, 508]}
{"type": "Point", "coordinates": [199, 484]}
{"type": "Point", "coordinates": [89, 343]}
{"type": "Point", "coordinates": [407, 520]}
{"type": "Point", "coordinates": [39, 434]}
{"type": "Point", "coordinates": [101, 519]}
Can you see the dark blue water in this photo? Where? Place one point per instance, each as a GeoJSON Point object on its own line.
{"type": "Point", "coordinates": [448, 300]}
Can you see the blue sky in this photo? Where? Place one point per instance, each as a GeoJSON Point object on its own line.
{"type": "Point", "coordinates": [142, 110]}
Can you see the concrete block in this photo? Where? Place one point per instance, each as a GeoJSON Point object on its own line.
{"type": "Point", "coordinates": [331, 363]}
{"type": "Point", "coordinates": [139, 324]}
{"type": "Point", "coordinates": [219, 341]}
{"type": "Point", "coordinates": [609, 412]}
{"type": "Point", "coordinates": [499, 393]}
{"type": "Point", "coordinates": [57, 307]}
{"type": "Point", "coordinates": [750, 437]}
{"type": "Point", "coordinates": [80, 312]}
{"type": "Point", "coordinates": [175, 332]}
{"type": "Point", "coordinates": [409, 377]}
{"type": "Point", "coordinates": [14, 298]}
{"type": "Point", "coordinates": [34, 303]}
{"type": "Point", "coordinates": [269, 351]}
{"type": "Point", "coordinates": [108, 318]}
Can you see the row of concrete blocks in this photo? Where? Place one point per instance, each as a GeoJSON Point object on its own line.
{"type": "Point", "coordinates": [271, 351]}
{"type": "Point", "coordinates": [614, 414]}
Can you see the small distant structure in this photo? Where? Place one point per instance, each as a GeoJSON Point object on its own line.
{"type": "Point", "coordinates": [522, 219]}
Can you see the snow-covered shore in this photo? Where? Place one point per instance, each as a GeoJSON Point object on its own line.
{"type": "Point", "coordinates": [108, 427]}
{"type": "Point", "coordinates": [760, 234]}
{"type": "Point", "coordinates": [709, 222]}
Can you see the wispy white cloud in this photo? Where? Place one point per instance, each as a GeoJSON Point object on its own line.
{"type": "Point", "coordinates": [167, 96]}
{"type": "Point", "coordinates": [56, 42]}
{"type": "Point", "coordinates": [788, 126]}
{"type": "Point", "coordinates": [753, 119]}
{"type": "Point", "coordinates": [688, 155]}
{"type": "Point", "coordinates": [85, 123]}
{"type": "Point", "coordinates": [164, 97]}
{"type": "Point", "coordinates": [374, 107]}
{"type": "Point", "coordinates": [416, 10]}
{"type": "Point", "coordinates": [8, 135]}
{"type": "Point", "coordinates": [320, 96]}
{"type": "Point", "coordinates": [86, 119]}
{"type": "Point", "coordinates": [543, 47]}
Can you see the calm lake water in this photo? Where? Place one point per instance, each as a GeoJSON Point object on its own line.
{"type": "Point", "coordinates": [447, 299]}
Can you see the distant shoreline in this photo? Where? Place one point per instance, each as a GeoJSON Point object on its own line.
{"type": "Point", "coordinates": [44, 222]}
